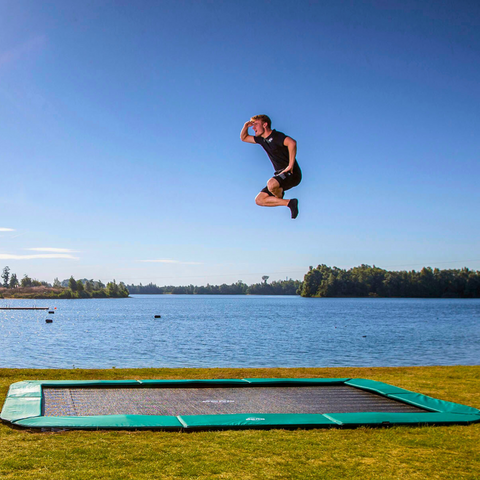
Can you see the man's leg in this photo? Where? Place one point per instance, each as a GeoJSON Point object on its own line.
{"type": "Point", "coordinates": [275, 188]}
{"type": "Point", "coordinates": [276, 198]}
{"type": "Point", "coordinates": [265, 200]}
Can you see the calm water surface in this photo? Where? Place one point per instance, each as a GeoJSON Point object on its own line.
{"type": "Point", "coordinates": [240, 331]}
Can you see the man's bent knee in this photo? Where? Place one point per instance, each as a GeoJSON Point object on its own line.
{"type": "Point", "coordinates": [260, 198]}
{"type": "Point", "coordinates": [275, 188]}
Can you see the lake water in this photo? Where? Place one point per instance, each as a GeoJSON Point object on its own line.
{"type": "Point", "coordinates": [240, 331]}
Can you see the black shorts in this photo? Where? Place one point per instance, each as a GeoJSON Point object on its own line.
{"type": "Point", "coordinates": [286, 180]}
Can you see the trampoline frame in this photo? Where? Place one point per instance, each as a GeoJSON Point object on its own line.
{"type": "Point", "coordinates": [23, 407]}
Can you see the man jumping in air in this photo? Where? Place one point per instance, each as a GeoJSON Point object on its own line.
{"type": "Point", "coordinates": [282, 151]}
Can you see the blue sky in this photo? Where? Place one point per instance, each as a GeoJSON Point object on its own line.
{"type": "Point", "coordinates": [120, 154]}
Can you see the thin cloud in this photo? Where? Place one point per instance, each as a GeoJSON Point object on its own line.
{"type": "Point", "coordinates": [53, 250]}
{"type": "Point", "coordinates": [177, 262]}
{"type": "Point", "coordinates": [7, 256]}
{"type": "Point", "coordinates": [6, 229]}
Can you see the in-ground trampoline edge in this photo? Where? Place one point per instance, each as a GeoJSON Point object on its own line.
{"type": "Point", "coordinates": [229, 403]}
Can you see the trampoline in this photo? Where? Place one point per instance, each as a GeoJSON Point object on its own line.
{"type": "Point", "coordinates": [220, 404]}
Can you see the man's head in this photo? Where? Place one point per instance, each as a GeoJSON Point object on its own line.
{"type": "Point", "coordinates": [260, 124]}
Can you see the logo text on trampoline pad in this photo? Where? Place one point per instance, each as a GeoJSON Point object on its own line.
{"type": "Point", "coordinates": [255, 419]}
{"type": "Point", "coordinates": [218, 401]}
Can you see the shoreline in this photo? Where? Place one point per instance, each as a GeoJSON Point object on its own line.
{"type": "Point", "coordinates": [66, 297]}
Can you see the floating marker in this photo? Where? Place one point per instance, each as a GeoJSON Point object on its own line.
{"type": "Point", "coordinates": [158, 316]}
{"type": "Point", "coordinates": [51, 312]}
{"type": "Point", "coordinates": [48, 320]}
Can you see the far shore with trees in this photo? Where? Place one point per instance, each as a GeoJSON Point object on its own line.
{"type": "Point", "coordinates": [322, 281]}
{"type": "Point", "coordinates": [367, 281]}
{"type": "Point", "coordinates": [27, 287]}
{"type": "Point", "coordinates": [282, 287]}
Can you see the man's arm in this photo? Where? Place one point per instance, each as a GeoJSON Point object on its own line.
{"type": "Point", "coordinates": [291, 144]}
{"type": "Point", "coordinates": [245, 137]}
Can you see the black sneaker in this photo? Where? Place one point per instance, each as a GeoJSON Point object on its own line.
{"type": "Point", "coordinates": [293, 206]}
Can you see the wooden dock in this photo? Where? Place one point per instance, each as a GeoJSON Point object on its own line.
{"type": "Point", "coordinates": [24, 308]}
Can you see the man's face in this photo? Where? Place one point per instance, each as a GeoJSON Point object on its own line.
{"type": "Point", "coordinates": [258, 127]}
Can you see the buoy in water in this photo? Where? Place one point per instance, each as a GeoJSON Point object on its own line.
{"type": "Point", "coordinates": [48, 320]}
{"type": "Point", "coordinates": [158, 316]}
{"type": "Point", "coordinates": [51, 312]}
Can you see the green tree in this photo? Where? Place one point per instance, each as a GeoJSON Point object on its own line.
{"type": "Point", "coordinates": [123, 290]}
{"type": "Point", "coordinates": [394, 284]}
{"type": "Point", "coordinates": [88, 287]}
{"type": "Point", "coordinates": [72, 284]}
{"type": "Point", "coordinates": [13, 281]}
{"type": "Point", "coordinates": [426, 283]}
{"type": "Point", "coordinates": [112, 289]}
{"type": "Point", "coordinates": [56, 283]}
{"type": "Point", "coordinates": [26, 281]}
{"type": "Point", "coordinates": [472, 288]}
{"type": "Point", "coordinates": [315, 281]}
{"type": "Point", "coordinates": [6, 276]}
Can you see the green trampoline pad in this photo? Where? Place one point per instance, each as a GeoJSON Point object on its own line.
{"type": "Point", "coordinates": [233, 403]}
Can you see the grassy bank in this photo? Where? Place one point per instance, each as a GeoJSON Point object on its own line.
{"type": "Point", "coordinates": [399, 452]}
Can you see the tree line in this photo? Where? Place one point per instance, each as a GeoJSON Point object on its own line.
{"type": "Point", "coordinates": [284, 287]}
{"type": "Point", "coordinates": [94, 289]}
{"type": "Point", "coordinates": [71, 288]}
{"type": "Point", "coordinates": [365, 281]}
{"type": "Point", "coordinates": [10, 280]}
{"type": "Point", "coordinates": [322, 281]}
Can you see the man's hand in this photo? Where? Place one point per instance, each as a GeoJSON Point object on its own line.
{"type": "Point", "coordinates": [244, 136]}
{"type": "Point", "coordinates": [287, 170]}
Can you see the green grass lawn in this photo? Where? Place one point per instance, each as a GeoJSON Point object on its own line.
{"type": "Point", "coordinates": [450, 452]}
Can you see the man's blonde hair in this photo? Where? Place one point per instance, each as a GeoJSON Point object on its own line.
{"type": "Point", "coordinates": [263, 119]}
